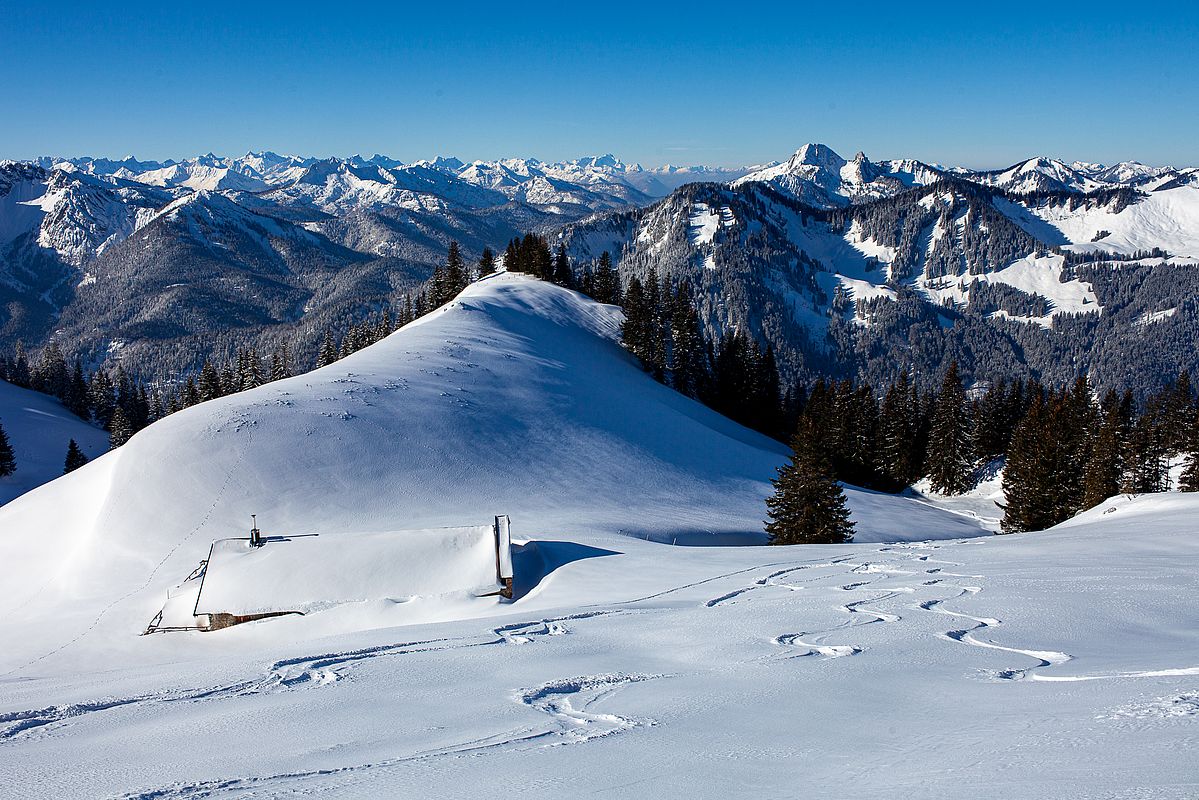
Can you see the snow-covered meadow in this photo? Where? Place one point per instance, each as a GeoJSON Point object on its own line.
{"type": "Point", "coordinates": [930, 659]}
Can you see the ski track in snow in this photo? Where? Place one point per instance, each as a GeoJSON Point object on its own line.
{"type": "Point", "coordinates": [289, 674]}
{"type": "Point", "coordinates": [199, 526]}
{"type": "Point", "coordinates": [569, 705]}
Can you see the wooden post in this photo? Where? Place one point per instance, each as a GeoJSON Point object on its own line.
{"type": "Point", "coordinates": [503, 554]}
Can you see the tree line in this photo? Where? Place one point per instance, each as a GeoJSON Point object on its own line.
{"type": "Point", "coordinates": [1065, 449]}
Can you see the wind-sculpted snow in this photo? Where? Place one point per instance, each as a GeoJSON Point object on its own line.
{"type": "Point", "coordinates": [513, 399]}
{"type": "Point", "coordinates": [652, 670]}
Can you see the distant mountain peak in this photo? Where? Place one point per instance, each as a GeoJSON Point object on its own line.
{"type": "Point", "coordinates": [818, 155]}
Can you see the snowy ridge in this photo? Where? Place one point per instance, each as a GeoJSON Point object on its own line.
{"type": "Point", "coordinates": [491, 405]}
{"type": "Point", "coordinates": [817, 176]}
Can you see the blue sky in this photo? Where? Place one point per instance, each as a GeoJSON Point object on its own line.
{"type": "Point", "coordinates": [720, 83]}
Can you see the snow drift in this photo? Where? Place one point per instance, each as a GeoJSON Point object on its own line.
{"type": "Point", "coordinates": [516, 398]}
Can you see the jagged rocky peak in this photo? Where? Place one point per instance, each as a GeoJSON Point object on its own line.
{"type": "Point", "coordinates": [447, 163]}
{"type": "Point", "coordinates": [606, 161]}
{"type": "Point", "coordinates": [817, 155]}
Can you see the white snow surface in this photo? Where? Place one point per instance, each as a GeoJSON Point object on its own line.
{"type": "Point", "coordinates": [39, 430]}
{"type": "Point", "coordinates": [514, 399]}
{"type": "Point", "coordinates": [1055, 664]}
{"type": "Point", "coordinates": [1167, 219]}
{"type": "Point", "coordinates": [1058, 664]}
{"type": "Point", "coordinates": [309, 572]}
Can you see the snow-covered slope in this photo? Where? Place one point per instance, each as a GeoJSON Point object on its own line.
{"type": "Point", "coordinates": [514, 399]}
{"type": "Point", "coordinates": [985, 667]}
{"type": "Point", "coordinates": [1060, 664]}
{"type": "Point", "coordinates": [1041, 174]}
{"type": "Point", "coordinates": [39, 429]}
{"type": "Point", "coordinates": [192, 175]}
{"type": "Point", "coordinates": [1167, 219]}
{"type": "Point", "coordinates": [72, 215]}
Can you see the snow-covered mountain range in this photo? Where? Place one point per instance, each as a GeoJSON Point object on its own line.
{"type": "Point", "coordinates": [868, 269]}
{"type": "Point", "coordinates": [100, 254]}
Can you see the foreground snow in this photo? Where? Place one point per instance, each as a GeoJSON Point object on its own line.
{"type": "Point", "coordinates": [1061, 664]}
{"type": "Point", "coordinates": [515, 399]}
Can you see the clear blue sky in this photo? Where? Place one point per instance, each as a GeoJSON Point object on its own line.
{"type": "Point", "coordinates": [722, 83]}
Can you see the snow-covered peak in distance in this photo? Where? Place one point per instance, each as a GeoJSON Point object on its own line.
{"type": "Point", "coordinates": [378, 160]}
{"type": "Point", "coordinates": [448, 163]}
{"type": "Point", "coordinates": [818, 176]}
{"type": "Point", "coordinates": [606, 161]}
{"type": "Point", "coordinates": [1040, 174]}
{"type": "Point", "coordinates": [815, 175]}
{"type": "Point", "coordinates": [820, 156]}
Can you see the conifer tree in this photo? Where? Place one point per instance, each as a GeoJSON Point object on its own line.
{"type": "Point", "coordinates": [767, 401]}
{"type": "Point", "coordinates": [140, 409]}
{"type": "Point", "coordinates": [1189, 480]}
{"type": "Point", "coordinates": [1073, 430]}
{"type": "Point", "coordinates": [384, 328]}
{"type": "Point", "coordinates": [898, 461]}
{"type": "Point", "coordinates": [438, 288]}
{"type": "Point", "coordinates": [995, 416]}
{"type": "Point", "coordinates": [808, 505]}
{"type": "Point", "coordinates": [733, 377]}
{"type": "Point", "coordinates": [51, 375]}
{"type": "Point", "coordinates": [1028, 474]}
{"type": "Point", "coordinates": [562, 274]}
{"type": "Point", "coordinates": [120, 429]}
{"type": "Point", "coordinates": [950, 460]}
{"type": "Point", "coordinates": [512, 256]}
{"type": "Point", "coordinates": [1102, 476]}
{"type": "Point", "coordinates": [543, 259]}
{"type": "Point", "coordinates": [101, 397]}
{"type": "Point", "coordinates": [75, 458]}
{"type": "Point", "coordinates": [19, 375]}
{"type": "Point", "coordinates": [587, 281]}
{"type": "Point", "coordinates": [328, 351]}
{"type": "Point", "coordinates": [607, 282]}
{"type": "Point", "coordinates": [76, 397]}
{"type": "Point", "coordinates": [8, 459]}
{"type": "Point", "coordinates": [1144, 456]}
{"type": "Point", "coordinates": [688, 371]}
{"type": "Point", "coordinates": [853, 434]}
{"type": "Point", "coordinates": [654, 343]}
{"type": "Point", "coordinates": [455, 273]}
{"type": "Point", "coordinates": [635, 331]}
{"type": "Point", "coordinates": [1176, 413]}
{"type": "Point", "coordinates": [191, 393]}
{"type": "Point", "coordinates": [486, 263]}
{"type": "Point", "coordinates": [280, 363]}
{"type": "Point", "coordinates": [211, 386]}
{"type": "Point", "coordinates": [821, 411]}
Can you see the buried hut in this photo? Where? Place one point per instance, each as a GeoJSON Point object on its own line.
{"type": "Point", "coordinates": [258, 577]}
